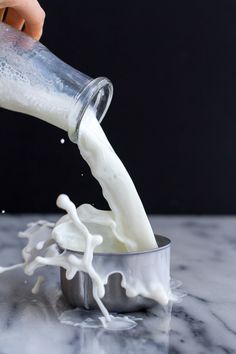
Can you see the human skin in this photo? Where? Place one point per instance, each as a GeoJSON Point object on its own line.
{"type": "Point", "coordinates": [27, 13]}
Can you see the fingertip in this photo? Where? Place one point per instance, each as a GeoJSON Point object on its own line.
{"type": "Point", "coordinates": [35, 33]}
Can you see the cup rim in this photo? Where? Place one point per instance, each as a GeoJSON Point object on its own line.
{"type": "Point", "coordinates": [165, 240]}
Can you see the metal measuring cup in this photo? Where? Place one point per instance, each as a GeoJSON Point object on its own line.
{"type": "Point", "coordinates": [78, 291]}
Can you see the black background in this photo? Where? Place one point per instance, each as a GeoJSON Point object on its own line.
{"type": "Point", "coordinates": [173, 116]}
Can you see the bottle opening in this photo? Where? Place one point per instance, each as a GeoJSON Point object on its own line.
{"type": "Point", "coordinates": [96, 95]}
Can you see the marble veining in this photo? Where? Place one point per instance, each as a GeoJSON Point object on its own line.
{"type": "Point", "coordinates": [203, 259]}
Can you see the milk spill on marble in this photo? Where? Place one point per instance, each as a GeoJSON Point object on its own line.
{"type": "Point", "coordinates": [123, 228]}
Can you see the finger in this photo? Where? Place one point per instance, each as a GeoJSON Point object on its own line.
{"type": "Point", "coordinates": [33, 15]}
{"type": "Point", "coordinates": [14, 19]}
{"type": "Point", "coordinates": [2, 12]}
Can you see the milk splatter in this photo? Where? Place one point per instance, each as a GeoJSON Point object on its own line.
{"type": "Point", "coordinates": [123, 228]}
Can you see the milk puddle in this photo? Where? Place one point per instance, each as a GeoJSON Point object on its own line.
{"type": "Point", "coordinates": [124, 228]}
{"type": "Point", "coordinates": [92, 319]}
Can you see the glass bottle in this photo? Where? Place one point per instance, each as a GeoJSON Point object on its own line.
{"type": "Point", "coordinates": [35, 82]}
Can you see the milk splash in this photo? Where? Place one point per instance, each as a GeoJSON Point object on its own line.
{"type": "Point", "coordinates": [124, 228]}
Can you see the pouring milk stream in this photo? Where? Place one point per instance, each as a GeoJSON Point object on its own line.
{"type": "Point", "coordinates": [123, 228]}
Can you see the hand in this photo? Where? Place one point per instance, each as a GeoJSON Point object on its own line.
{"type": "Point", "coordinates": [27, 13]}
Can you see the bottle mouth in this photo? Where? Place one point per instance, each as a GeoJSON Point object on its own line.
{"type": "Point", "coordinates": [96, 95]}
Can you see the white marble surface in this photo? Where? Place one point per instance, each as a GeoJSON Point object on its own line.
{"type": "Point", "coordinates": [203, 258]}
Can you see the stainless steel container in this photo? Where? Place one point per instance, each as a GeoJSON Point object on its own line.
{"type": "Point", "coordinates": [78, 291]}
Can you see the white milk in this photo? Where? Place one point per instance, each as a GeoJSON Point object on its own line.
{"type": "Point", "coordinates": [37, 285]}
{"type": "Point", "coordinates": [124, 228]}
{"type": "Point", "coordinates": [32, 97]}
{"type": "Point", "coordinates": [132, 226]}
{"type": "Point", "coordinates": [129, 227]}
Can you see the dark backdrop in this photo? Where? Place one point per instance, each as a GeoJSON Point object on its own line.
{"type": "Point", "coordinates": [173, 117]}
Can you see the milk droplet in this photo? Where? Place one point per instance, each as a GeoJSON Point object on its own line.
{"type": "Point", "coordinates": [62, 200]}
{"type": "Point", "coordinates": [62, 141]}
{"type": "Point", "coordinates": [82, 174]}
{"type": "Point", "coordinates": [37, 285]}
{"type": "Point", "coordinates": [3, 211]}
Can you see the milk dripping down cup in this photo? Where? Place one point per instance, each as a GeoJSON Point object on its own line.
{"type": "Point", "coordinates": [35, 82]}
